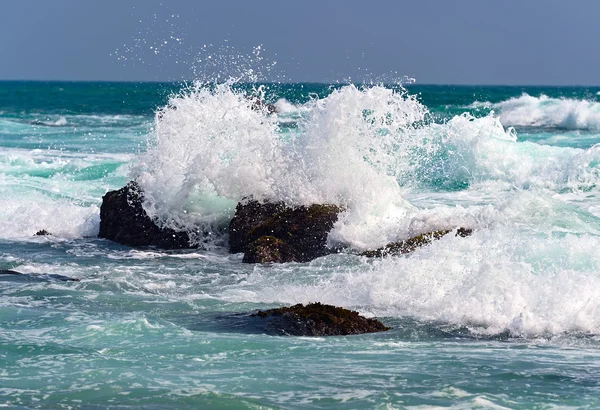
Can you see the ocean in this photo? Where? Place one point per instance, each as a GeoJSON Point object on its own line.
{"type": "Point", "coordinates": [508, 317]}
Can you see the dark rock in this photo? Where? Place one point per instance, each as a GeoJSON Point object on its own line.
{"type": "Point", "coordinates": [268, 249]}
{"type": "Point", "coordinates": [304, 228]}
{"type": "Point", "coordinates": [42, 232]}
{"type": "Point", "coordinates": [249, 215]}
{"type": "Point", "coordinates": [464, 232]}
{"type": "Point", "coordinates": [61, 278]}
{"type": "Point", "coordinates": [124, 220]}
{"type": "Point", "coordinates": [409, 245]}
{"type": "Point", "coordinates": [316, 319]}
{"type": "Point", "coordinates": [9, 272]}
{"type": "Point", "coordinates": [38, 276]}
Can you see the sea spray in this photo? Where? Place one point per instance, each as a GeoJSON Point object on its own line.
{"type": "Point", "coordinates": [212, 148]}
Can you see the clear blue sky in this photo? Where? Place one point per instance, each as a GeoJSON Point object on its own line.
{"type": "Point", "coordinates": [435, 41]}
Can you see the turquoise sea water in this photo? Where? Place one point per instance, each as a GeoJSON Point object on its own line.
{"type": "Point", "coordinates": [506, 318]}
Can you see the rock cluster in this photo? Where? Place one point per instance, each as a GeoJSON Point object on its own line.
{"type": "Point", "coordinates": [266, 232]}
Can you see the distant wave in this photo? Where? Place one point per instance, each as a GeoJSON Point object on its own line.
{"type": "Point", "coordinates": [61, 122]}
{"type": "Point", "coordinates": [544, 111]}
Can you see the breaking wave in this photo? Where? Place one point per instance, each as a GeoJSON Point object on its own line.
{"type": "Point", "coordinates": [544, 111]}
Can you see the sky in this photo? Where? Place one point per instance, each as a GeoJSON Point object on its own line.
{"type": "Point", "coordinates": [524, 42]}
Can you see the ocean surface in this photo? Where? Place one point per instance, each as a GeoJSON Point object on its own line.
{"type": "Point", "coordinates": [506, 318]}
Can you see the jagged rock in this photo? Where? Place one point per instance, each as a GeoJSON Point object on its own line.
{"type": "Point", "coordinates": [268, 249]}
{"type": "Point", "coordinates": [124, 220]}
{"type": "Point", "coordinates": [303, 229]}
{"type": "Point", "coordinates": [316, 319]}
{"type": "Point", "coordinates": [42, 232]}
{"type": "Point", "coordinates": [409, 245]}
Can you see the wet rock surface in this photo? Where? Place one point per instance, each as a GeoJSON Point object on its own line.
{"type": "Point", "coordinates": [268, 249]}
{"type": "Point", "coordinates": [301, 231]}
{"type": "Point", "coordinates": [316, 319]}
{"type": "Point", "coordinates": [124, 220]}
{"type": "Point", "coordinates": [409, 245]}
{"type": "Point", "coordinates": [248, 216]}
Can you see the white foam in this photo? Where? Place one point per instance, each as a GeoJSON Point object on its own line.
{"type": "Point", "coordinates": [544, 111]}
{"type": "Point", "coordinates": [39, 189]}
{"type": "Point", "coordinates": [21, 219]}
{"type": "Point", "coordinates": [283, 106]}
{"type": "Point", "coordinates": [494, 281]}
{"type": "Point", "coordinates": [480, 104]}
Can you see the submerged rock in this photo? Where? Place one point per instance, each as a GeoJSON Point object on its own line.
{"type": "Point", "coordinates": [409, 245]}
{"type": "Point", "coordinates": [37, 276]}
{"type": "Point", "coordinates": [124, 220]}
{"type": "Point", "coordinates": [316, 319]}
{"type": "Point", "coordinates": [300, 232]}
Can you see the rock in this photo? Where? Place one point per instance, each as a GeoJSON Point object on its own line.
{"type": "Point", "coordinates": [124, 220]}
{"type": "Point", "coordinates": [268, 249]}
{"type": "Point", "coordinates": [316, 319]}
{"type": "Point", "coordinates": [409, 245]}
{"type": "Point", "coordinates": [303, 229]}
{"type": "Point", "coordinates": [9, 272]}
{"type": "Point", "coordinates": [37, 276]}
{"type": "Point", "coordinates": [42, 232]}
{"type": "Point", "coordinates": [249, 215]}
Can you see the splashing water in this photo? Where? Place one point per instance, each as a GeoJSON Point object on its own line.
{"type": "Point", "coordinates": [363, 148]}
{"type": "Point", "coordinates": [212, 143]}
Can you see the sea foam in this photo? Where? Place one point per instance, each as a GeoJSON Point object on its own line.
{"type": "Point", "coordinates": [498, 280]}
{"type": "Point", "coordinates": [544, 111]}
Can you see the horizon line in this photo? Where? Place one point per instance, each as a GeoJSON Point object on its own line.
{"type": "Point", "coordinates": [295, 82]}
